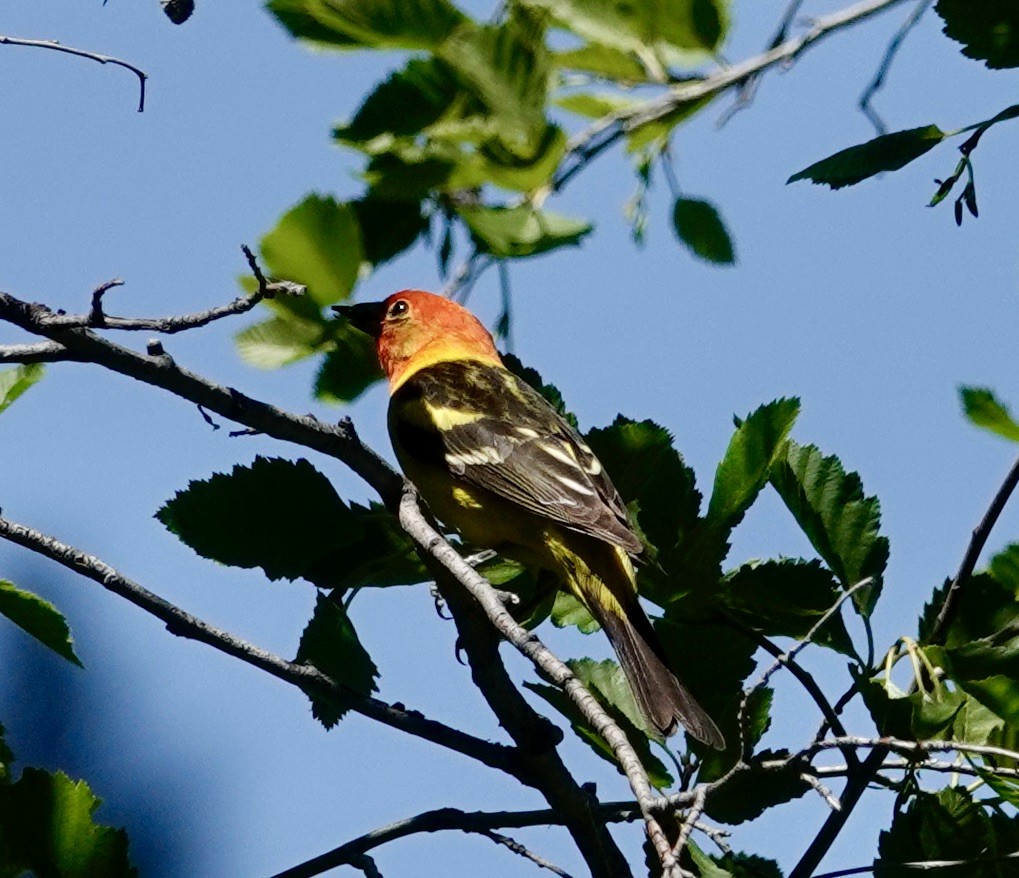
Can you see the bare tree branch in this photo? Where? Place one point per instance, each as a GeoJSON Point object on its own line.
{"type": "Point", "coordinates": [83, 53]}
{"type": "Point", "coordinates": [306, 677]}
{"type": "Point", "coordinates": [41, 352]}
{"type": "Point", "coordinates": [877, 83]}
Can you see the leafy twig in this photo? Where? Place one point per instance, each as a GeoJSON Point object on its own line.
{"type": "Point", "coordinates": [83, 53]}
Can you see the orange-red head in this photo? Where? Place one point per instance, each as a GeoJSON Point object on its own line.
{"type": "Point", "coordinates": [413, 329]}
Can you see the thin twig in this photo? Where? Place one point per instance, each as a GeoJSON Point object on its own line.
{"type": "Point", "coordinates": [692, 816]}
{"type": "Point", "coordinates": [894, 45]}
{"type": "Point", "coordinates": [606, 131]}
{"type": "Point", "coordinates": [823, 791]}
{"type": "Point", "coordinates": [305, 677]}
{"type": "Point", "coordinates": [519, 849]}
{"type": "Point", "coordinates": [976, 545]}
{"type": "Point", "coordinates": [95, 314]}
{"type": "Point", "coordinates": [82, 53]}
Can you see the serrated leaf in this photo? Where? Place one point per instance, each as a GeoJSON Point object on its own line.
{"type": "Point", "coordinates": [278, 341]}
{"type": "Point", "coordinates": [743, 472]}
{"type": "Point", "coordinates": [14, 382]}
{"type": "Point", "coordinates": [317, 243]}
{"type": "Point", "coordinates": [916, 716]}
{"type": "Point", "coordinates": [699, 226]}
{"type": "Point", "coordinates": [986, 606]}
{"type": "Point", "coordinates": [751, 792]}
{"type": "Point", "coordinates": [48, 829]}
{"type": "Point", "coordinates": [567, 611]}
{"type": "Point", "coordinates": [786, 598]}
{"type": "Point", "coordinates": [647, 469]}
{"type": "Point", "coordinates": [985, 410]}
{"type": "Point", "coordinates": [285, 517]}
{"type": "Point", "coordinates": [515, 232]}
{"type": "Point", "coordinates": [378, 24]}
{"type": "Point", "coordinates": [507, 69]}
{"type": "Point", "coordinates": [330, 643]}
{"type": "Point", "coordinates": [606, 682]}
{"type": "Point", "coordinates": [698, 25]}
{"type": "Point", "coordinates": [349, 369]}
{"type": "Point", "coordinates": [988, 30]}
{"type": "Point", "coordinates": [841, 523]}
{"type": "Point", "coordinates": [889, 152]}
{"type": "Point", "coordinates": [947, 825]}
{"type": "Point", "coordinates": [39, 618]}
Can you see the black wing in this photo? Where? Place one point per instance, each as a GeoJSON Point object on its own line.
{"type": "Point", "coordinates": [496, 432]}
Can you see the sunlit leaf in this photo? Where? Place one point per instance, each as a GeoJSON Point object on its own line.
{"type": "Point", "coordinates": [985, 410]}
{"type": "Point", "coordinates": [14, 382]}
{"type": "Point", "coordinates": [317, 243]}
{"type": "Point", "coordinates": [37, 617]}
{"type": "Point", "coordinates": [522, 231]}
{"type": "Point", "coordinates": [278, 341]}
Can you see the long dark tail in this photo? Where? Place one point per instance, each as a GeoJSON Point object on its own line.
{"type": "Point", "coordinates": [663, 700]}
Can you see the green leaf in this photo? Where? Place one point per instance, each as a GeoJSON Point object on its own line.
{"type": "Point", "coordinates": [1004, 567]}
{"type": "Point", "coordinates": [6, 758]}
{"type": "Point", "coordinates": [917, 716]}
{"type": "Point", "coordinates": [514, 232]}
{"type": "Point", "coordinates": [987, 669]}
{"type": "Point", "coordinates": [841, 523]}
{"type": "Point", "coordinates": [647, 469]}
{"type": "Point", "coordinates": [522, 171]}
{"type": "Point", "coordinates": [596, 105]}
{"type": "Point", "coordinates": [699, 226]}
{"type": "Point", "coordinates": [751, 792]}
{"type": "Point", "coordinates": [743, 472]}
{"type": "Point", "coordinates": [405, 104]}
{"type": "Point", "coordinates": [330, 643]}
{"type": "Point", "coordinates": [388, 227]}
{"type": "Point", "coordinates": [616, 64]}
{"type": "Point", "coordinates": [378, 24]}
{"type": "Point", "coordinates": [317, 243]}
{"type": "Point", "coordinates": [985, 410]}
{"type": "Point", "coordinates": [648, 28]}
{"type": "Point", "coordinates": [14, 382]}
{"type": "Point", "coordinates": [286, 518]}
{"type": "Point", "coordinates": [38, 618]}
{"type": "Point", "coordinates": [278, 341]}
{"type": "Point", "coordinates": [567, 611]}
{"type": "Point", "coordinates": [947, 825]}
{"type": "Point", "coordinates": [986, 607]}
{"type": "Point", "coordinates": [349, 369]}
{"type": "Point", "coordinates": [606, 682]}
{"type": "Point", "coordinates": [706, 866]}
{"type": "Point", "coordinates": [786, 598]}
{"type": "Point", "coordinates": [655, 134]}
{"type": "Point", "coordinates": [988, 30]}
{"type": "Point", "coordinates": [889, 152]}
{"type": "Point", "coordinates": [47, 826]}
{"type": "Point", "coordinates": [507, 68]}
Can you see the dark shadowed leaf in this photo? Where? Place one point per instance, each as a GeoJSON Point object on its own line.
{"type": "Point", "coordinates": [380, 24]}
{"type": "Point", "coordinates": [37, 617]}
{"type": "Point", "coordinates": [948, 825]}
{"type": "Point", "coordinates": [786, 598]}
{"type": "Point", "coordinates": [513, 232]}
{"type": "Point", "coordinates": [988, 29]}
{"type": "Point", "coordinates": [985, 410]}
{"type": "Point", "coordinates": [646, 469]}
{"type": "Point", "coordinates": [317, 243]}
{"type": "Point", "coordinates": [750, 793]}
{"type": "Point", "coordinates": [889, 152]}
{"type": "Point", "coordinates": [330, 643]}
{"type": "Point", "coordinates": [285, 517]}
{"type": "Point", "coordinates": [606, 681]}
{"type": "Point", "coordinates": [48, 830]}
{"type": "Point", "coordinates": [14, 382]}
{"type": "Point", "coordinates": [349, 369]}
{"type": "Point", "coordinates": [387, 227]}
{"type": "Point", "coordinates": [699, 226]}
{"type": "Point", "coordinates": [743, 472]}
{"type": "Point", "coordinates": [841, 523]}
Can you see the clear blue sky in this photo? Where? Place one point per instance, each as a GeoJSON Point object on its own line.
{"type": "Point", "coordinates": [864, 303]}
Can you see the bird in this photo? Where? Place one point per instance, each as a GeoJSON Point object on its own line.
{"type": "Point", "coordinates": [497, 463]}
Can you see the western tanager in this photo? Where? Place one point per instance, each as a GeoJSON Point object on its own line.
{"type": "Point", "coordinates": [495, 461]}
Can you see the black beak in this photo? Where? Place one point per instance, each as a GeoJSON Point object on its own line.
{"type": "Point", "coordinates": [367, 316]}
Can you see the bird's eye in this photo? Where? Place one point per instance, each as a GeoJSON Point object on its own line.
{"type": "Point", "coordinates": [398, 309]}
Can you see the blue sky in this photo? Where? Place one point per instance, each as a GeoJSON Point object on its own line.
{"type": "Point", "coordinates": [865, 304]}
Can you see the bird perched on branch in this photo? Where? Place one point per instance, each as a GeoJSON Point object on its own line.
{"type": "Point", "coordinates": [495, 461]}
